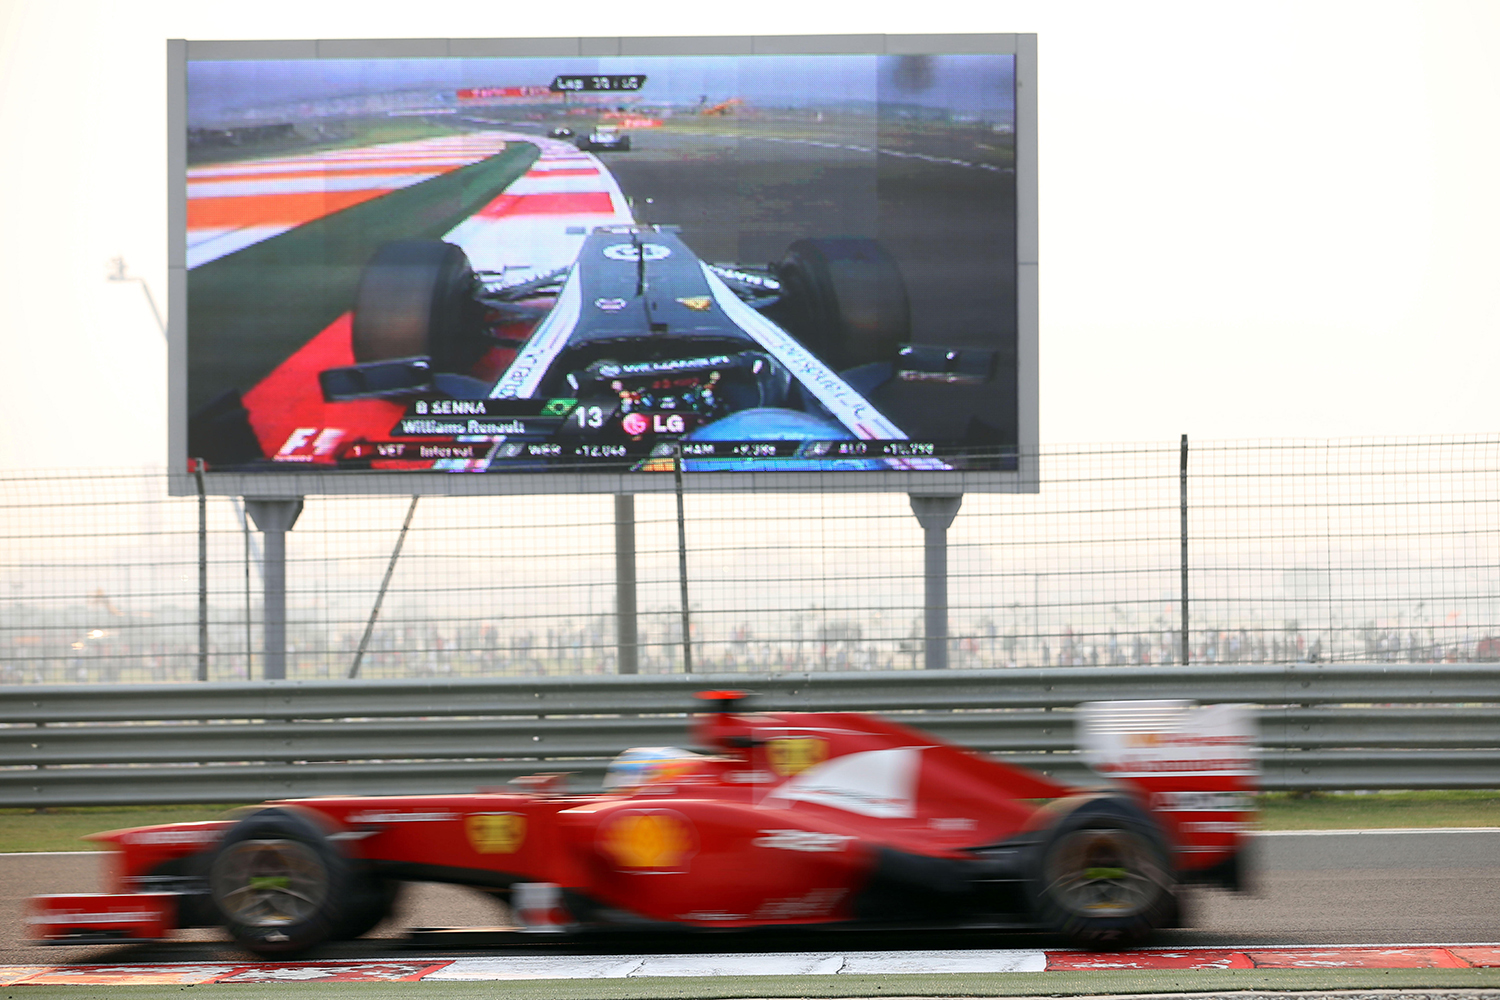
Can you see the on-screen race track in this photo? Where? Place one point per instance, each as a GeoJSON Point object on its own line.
{"type": "Point", "coordinates": [1423, 899]}
{"type": "Point", "coordinates": [704, 183]}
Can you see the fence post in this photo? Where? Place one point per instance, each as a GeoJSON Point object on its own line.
{"type": "Point", "coordinates": [627, 659]}
{"type": "Point", "coordinates": [249, 644]}
{"type": "Point", "coordinates": [202, 570]}
{"type": "Point", "coordinates": [1182, 492]}
{"type": "Point", "coordinates": [682, 577]}
{"type": "Point", "coordinates": [935, 514]}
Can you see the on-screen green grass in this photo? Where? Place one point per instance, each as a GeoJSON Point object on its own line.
{"type": "Point", "coordinates": [350, 133]}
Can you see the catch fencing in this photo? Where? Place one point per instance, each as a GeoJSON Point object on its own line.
{"type": "Point", "coordinates": [1322, 727]}
{"type": "Point", "coordinates": [1347, 551]}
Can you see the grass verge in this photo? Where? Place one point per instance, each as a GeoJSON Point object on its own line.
{"type": "Point", "coordinates": [1378, 810]}
{"type": "Point", "coordinates": [62, 829]}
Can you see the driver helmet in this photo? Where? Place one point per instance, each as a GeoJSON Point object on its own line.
{"type": "Point", "coordinates": [644, 765]}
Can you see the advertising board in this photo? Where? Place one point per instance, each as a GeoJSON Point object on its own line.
{"type": "Point", "coordinates": [564, 265]}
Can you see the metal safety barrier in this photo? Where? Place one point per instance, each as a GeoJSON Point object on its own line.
{"type": "Point", "coordinates": [1323, 727]}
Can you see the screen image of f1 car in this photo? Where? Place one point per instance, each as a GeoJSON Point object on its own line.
{"type": "Point", "coordinates": [775, 263]}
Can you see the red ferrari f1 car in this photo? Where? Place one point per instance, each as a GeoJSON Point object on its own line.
{"type": "Point", "coordinates": [791, 819]}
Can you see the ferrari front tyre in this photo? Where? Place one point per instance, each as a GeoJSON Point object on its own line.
{"type": "Point", "coordinates": [281, 887]}
{"type": "Point", "coordinates": [370, 902]}
{"type": "Point", "coordinates": [845, 299]}
{"type": "Point", "coordinates": [1103, 878]}
{"type": "Point", "coordinates": [416, 297]}
{"type": "Point", "coordinates": [187, 877]}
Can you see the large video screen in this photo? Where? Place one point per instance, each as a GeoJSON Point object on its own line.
{"type": "Point", "coordinates": [521, 265]}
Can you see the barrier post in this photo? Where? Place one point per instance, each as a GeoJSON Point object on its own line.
{"type": "Point", "coordinates": [935, 514]}
{"type": "Point", "coordinates": [274, 518]}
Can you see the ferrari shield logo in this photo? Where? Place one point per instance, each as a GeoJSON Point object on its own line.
{"type": "Point", "coordinates": [657, 841]}
{"type": "Point", "coordinates": [496, 833]}
{"type": "Point", "coordinates": [697, 303]}
{"type": "Point", "coordinates": [796, 754]}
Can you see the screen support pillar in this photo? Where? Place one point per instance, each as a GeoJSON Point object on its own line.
{"type": "Point", "coordinates": [935, 514]}
{"type": "Point", "coordinates": [274, 518]}
{"type": "Point", "coordinates": [627, 648]}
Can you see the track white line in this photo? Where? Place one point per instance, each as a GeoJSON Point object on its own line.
{"type": "Point", "coordinates": [1369, 833]}
{"type": "Point", "coordinates": [826, 963]}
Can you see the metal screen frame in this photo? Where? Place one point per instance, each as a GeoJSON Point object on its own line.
{"type": "Point", "coordinates": [292, 483]}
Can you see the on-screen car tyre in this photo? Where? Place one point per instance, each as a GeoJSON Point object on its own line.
{"type": "Point", "coordinates": [1103, 876]}
{"type": "Point", "coordinates": [282, 887]}
{"type": "Point", "coordinates": [416, 297]}
{"type": "Point", "coordinates": [845, 299]}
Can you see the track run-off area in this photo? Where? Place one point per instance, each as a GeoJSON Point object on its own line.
{"type": "Point", "coordinates": [1377, 909]}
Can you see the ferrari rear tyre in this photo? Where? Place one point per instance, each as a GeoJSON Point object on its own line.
{"type": "Point", "coordinates": [416, 297]}
{"type": "Point", "coordinates": [845, 299]}
{"type": "Point", "coordinates": [1103, 878]}
{"type": "Point", "coordinates": [281, 887]}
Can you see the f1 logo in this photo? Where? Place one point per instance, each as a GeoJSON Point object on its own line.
{"type": "Point", "coordinates": [307, 443]}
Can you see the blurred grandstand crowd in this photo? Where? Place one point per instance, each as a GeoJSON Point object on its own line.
{"type": "Point", "coordinates": [561, 649]}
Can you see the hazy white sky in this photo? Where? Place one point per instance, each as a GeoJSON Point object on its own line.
{"type": "Point", "coordinates": [1260, 219]}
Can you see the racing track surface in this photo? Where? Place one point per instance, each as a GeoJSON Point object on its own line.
{"type": "Point", "coordinates": [1375, 887]}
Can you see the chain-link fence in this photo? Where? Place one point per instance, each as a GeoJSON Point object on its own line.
{"type": "Point", "coordinates": [1346, 550]}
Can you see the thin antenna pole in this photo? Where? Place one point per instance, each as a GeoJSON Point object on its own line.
{"type": "Point", "coordinates": [1183, 495]}
{"type": "Point", "coordinates": [364, 640]}
{"type": "Point", "coordinates": [202, 572]}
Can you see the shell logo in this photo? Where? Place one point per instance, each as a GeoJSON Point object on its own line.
{"type": "Point", "coordinates": [495, 833]}
{"type": "Point", "coordinates": [655, 840]}
{"type": "Point", "coordinates": [795, 754]}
